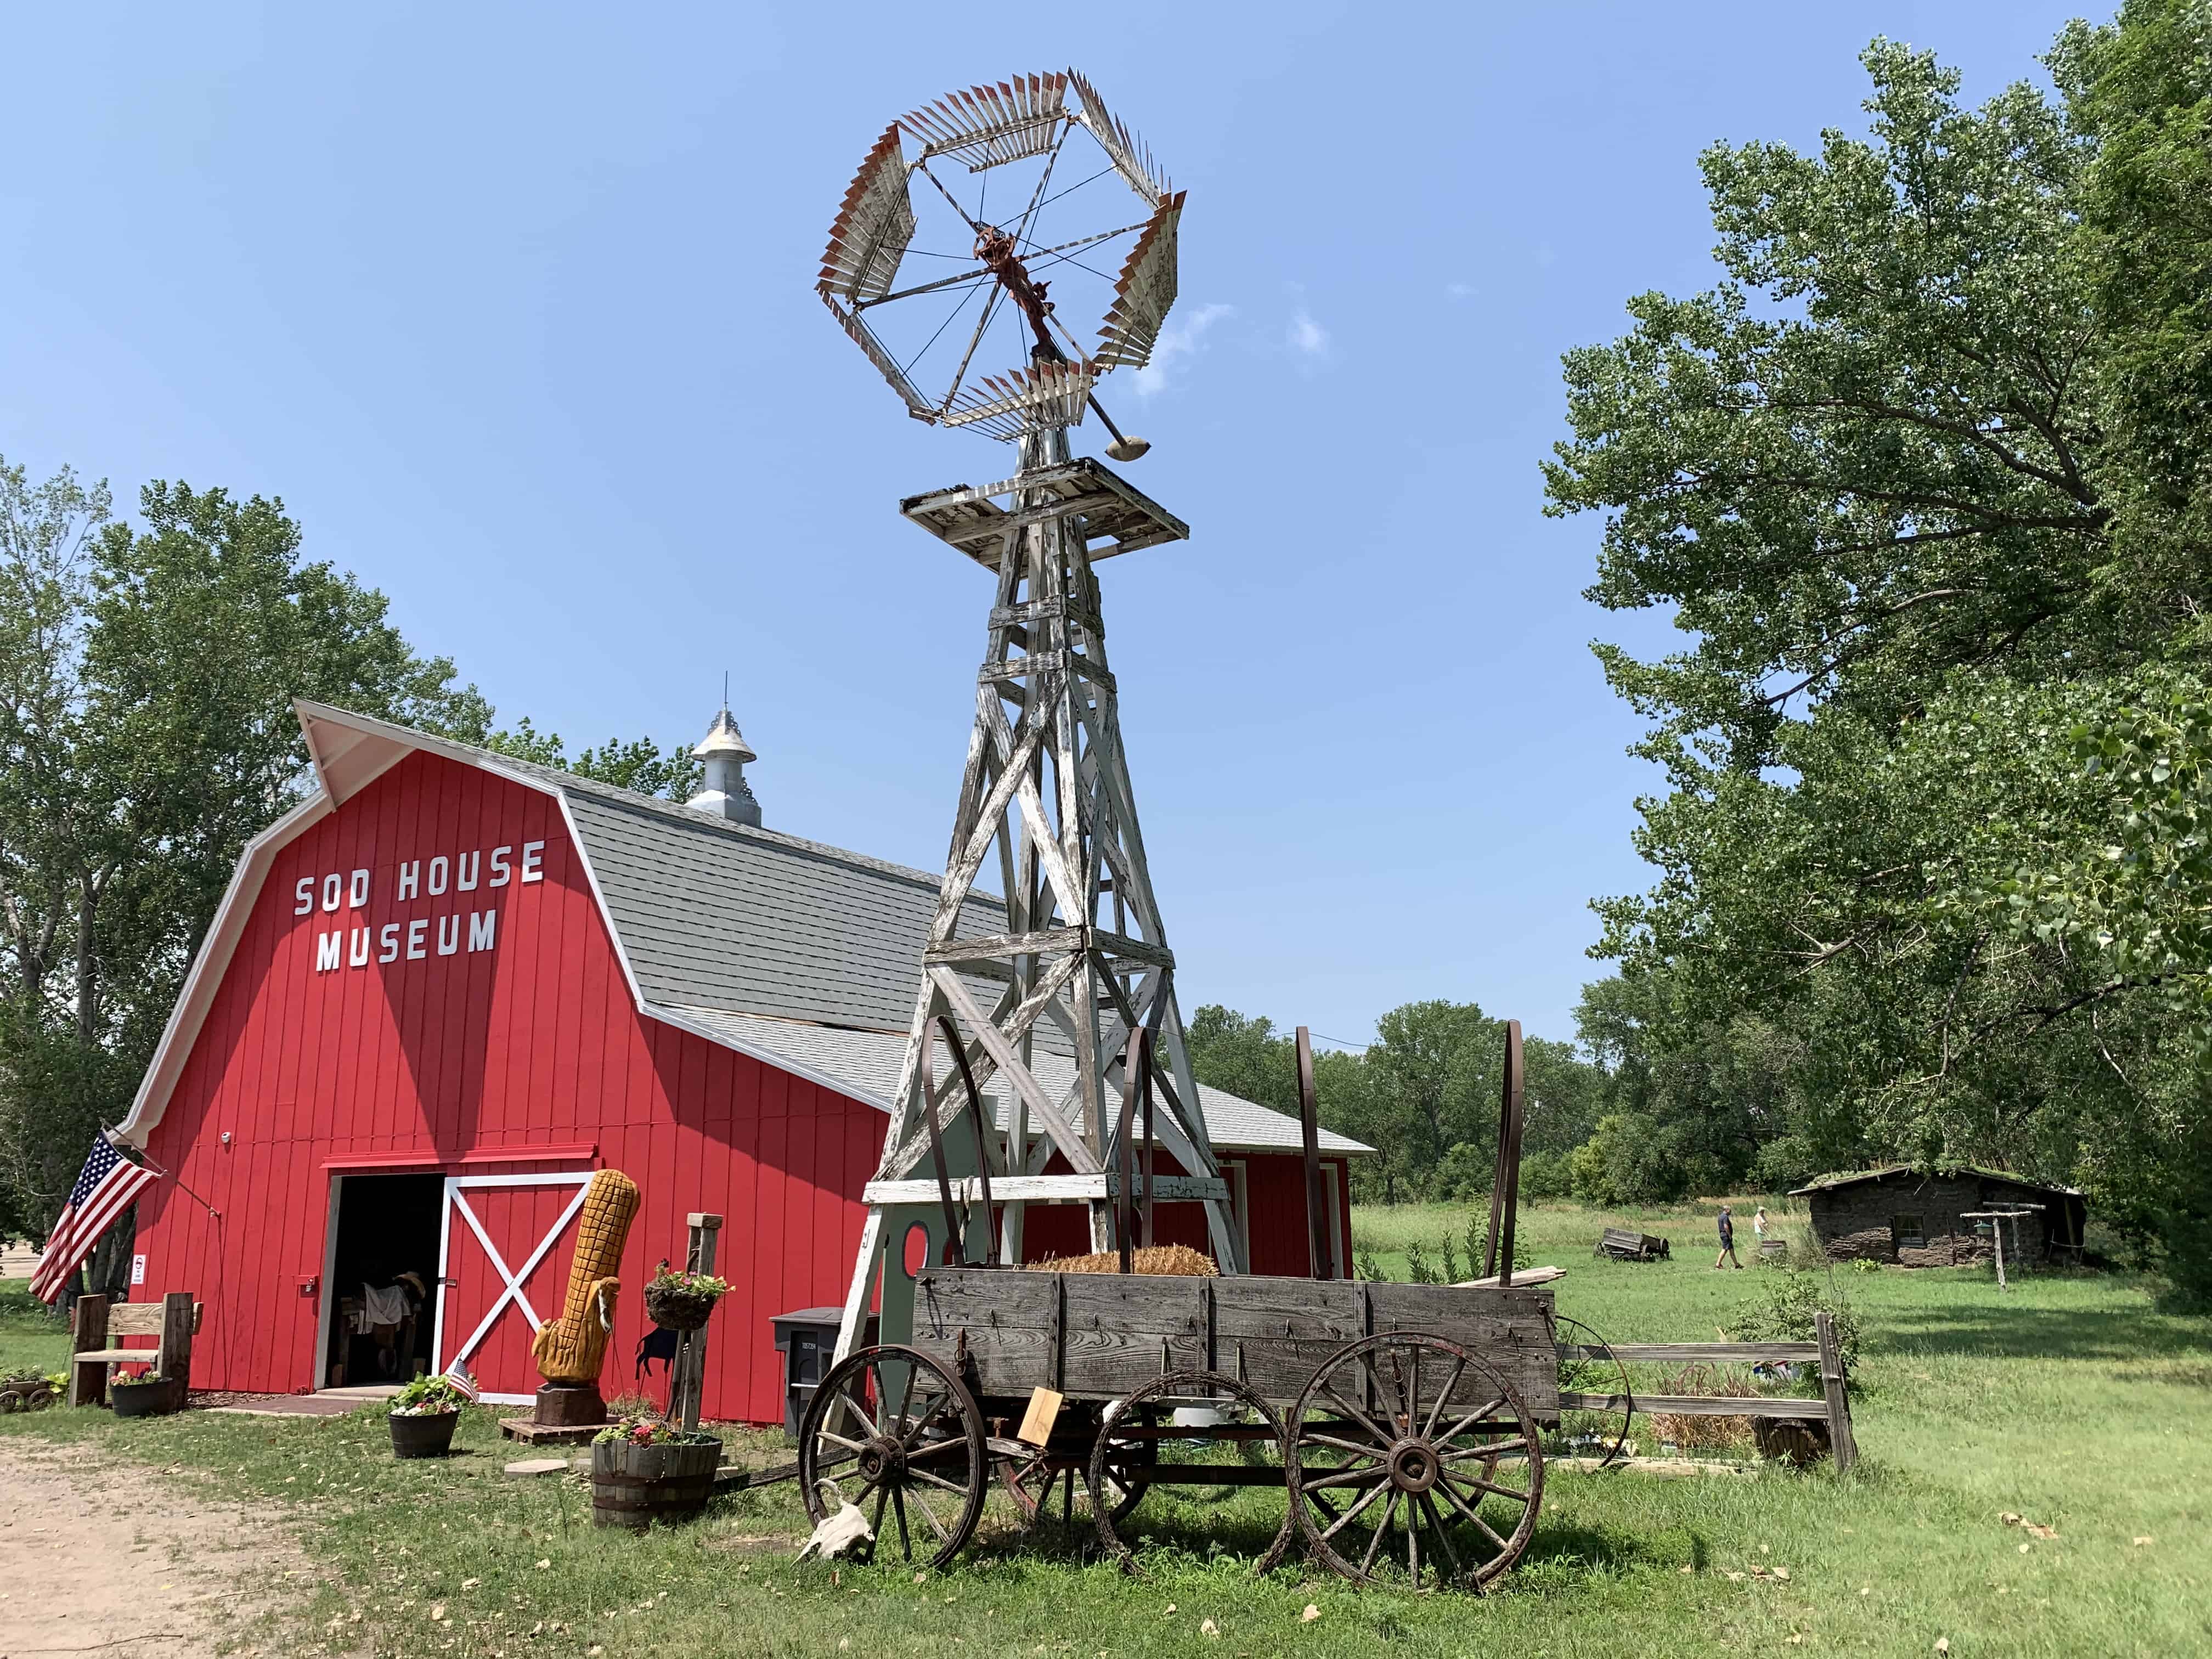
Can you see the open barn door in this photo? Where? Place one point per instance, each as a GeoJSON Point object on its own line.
{"type": "Point", "coordinates": [503, 1270]}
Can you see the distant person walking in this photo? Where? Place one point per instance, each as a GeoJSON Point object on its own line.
{"type": "Point", "coordinates": [1758, 1223]}
{"type": "Point", "coordinates": [1728, 1241]}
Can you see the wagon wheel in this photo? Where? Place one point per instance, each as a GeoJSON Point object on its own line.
{"type": "Point", "coordinates": [1608, 1375]}
{"type": "Point", "coordinates": [1030, 1481]}
{"type": "Point", "coordinates": [1431, 1455]}
{"type": "Point", "coordinates": [1140, 1447]}
{"type": "Point", "coordinates": [909, 1431]}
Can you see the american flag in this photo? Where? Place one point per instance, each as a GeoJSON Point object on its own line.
{"type": "Point", "coordinates": [458, 1375]}
{"type": "Point", "coordinates": [106, 1185]}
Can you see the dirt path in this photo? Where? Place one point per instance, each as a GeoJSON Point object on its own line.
{"type": "Point", "coordinates": [96, 1556]}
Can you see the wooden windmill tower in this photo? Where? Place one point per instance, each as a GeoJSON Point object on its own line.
{"type": "Point", "coordinates": [1059, 992]}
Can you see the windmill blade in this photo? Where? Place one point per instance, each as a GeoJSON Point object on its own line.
{"type": "Point", "coordinates": [916, 405]}
{"type": "Point", "coordinates": [985, 126]}
{"type": "Point", "coordinates": [1145, 290]}
{"type": "Point", "coordinates": [872, 227]}
{"type": "Point", "coordinates": [1046, 394]}
{"type": "Point", "coordinates": [1131, 159]}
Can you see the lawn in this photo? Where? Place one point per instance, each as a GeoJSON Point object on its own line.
{"type": "Point", "coordinates": [2071, 1402]}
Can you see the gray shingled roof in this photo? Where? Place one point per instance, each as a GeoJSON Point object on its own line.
{"type": "Point", "coordinates": [790, 949]}
{"type": "Point", "coordinates": [868, 1064]}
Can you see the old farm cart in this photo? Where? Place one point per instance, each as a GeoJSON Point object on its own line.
{"type": "Point", "coordinates": [1402, 1422]}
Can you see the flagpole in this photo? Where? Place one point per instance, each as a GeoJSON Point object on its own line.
{"type": "Point", "coordinates": [137, 1154]}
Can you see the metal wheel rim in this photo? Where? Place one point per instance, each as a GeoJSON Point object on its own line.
{"type": "Point", "coordinates": [901, 1454]}
{"type": "Point", "coordinates": [1613, 1361]}
{"type": "Point", "coordinates": [1412, 1455]}
{"type": "Point", "coordinates": [1211, 1387]}
{"type": "Point", "coordinates": [1018, 1476]}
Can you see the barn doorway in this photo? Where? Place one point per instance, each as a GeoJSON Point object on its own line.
{"type": "Point", "coordinates": [384, 1277]}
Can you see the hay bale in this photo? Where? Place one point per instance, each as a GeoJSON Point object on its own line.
{"type": "Point", "coordinates": [1164, 1260]}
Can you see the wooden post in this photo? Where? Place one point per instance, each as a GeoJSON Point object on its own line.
{"type": "Point", "coordinates": [690, 1371]}
{"type": "Point", "coordinates": [176, 1350]}
{"type": "Point", "coordinates": [1317, 1250]}
{"type": "Point", "coordinates": [1135, 1059]}
{"type": "Point", "coordinates": [1505, 1174]}
{"type": "Point", "coordinates": [1832, 1385]}
{"type": "Point", "coordinates": [88, 1331]}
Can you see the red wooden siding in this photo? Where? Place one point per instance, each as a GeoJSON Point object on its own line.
{"type": "Point", "coordinates": [533, 1042]}
{"type": "Point", "coordinates": [1274, 1191]}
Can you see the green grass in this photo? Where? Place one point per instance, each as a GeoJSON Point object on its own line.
{"type": "Point", "coordinates": [2070, 1401]}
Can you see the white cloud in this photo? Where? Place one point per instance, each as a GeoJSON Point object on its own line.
{"type": "Point", "coordinates": [1306, 336]}
{"type": "Point", "coordinates": [1460, 290]}
{"type": "Point", "coordinates": [1186, 338]}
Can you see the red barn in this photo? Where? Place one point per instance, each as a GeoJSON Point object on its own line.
{"type": "Point", "coordinates": [450, 985]}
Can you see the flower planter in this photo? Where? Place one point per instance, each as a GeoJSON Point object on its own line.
{"type": "Point", "coordinates": [634, 1486]}
{"type": "Point", "coordinates": [427, 1434]}
{"type": "Point", "coordinates": [677, 1309]}
{"type": "Point", "coordinates": [156, 1399]}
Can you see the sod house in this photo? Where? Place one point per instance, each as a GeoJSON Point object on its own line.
{"type": "Point", "coordinates": [1931, 1219]}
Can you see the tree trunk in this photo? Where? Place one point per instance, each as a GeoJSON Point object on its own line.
{"type": "Point", "coordinates": [88, 966]}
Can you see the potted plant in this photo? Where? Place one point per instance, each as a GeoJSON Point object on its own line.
{"type": "Point", "coordinates": [643, 1468]}
{"type": "Point", "coordinates": [681, 1301]}
{"type": "Point", "coordinates": [148, 1395]}
{"type": "Point", "coordinates": [424, 1415]}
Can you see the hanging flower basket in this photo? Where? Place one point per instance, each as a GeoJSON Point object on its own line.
{"type": "Point", "coordinates": [682, 1302]}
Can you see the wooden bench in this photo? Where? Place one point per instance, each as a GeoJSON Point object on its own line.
{"type": "Point", "coordinates": [1622, 1245]}
{"type": "Point", "coordinates": [172, 1322]}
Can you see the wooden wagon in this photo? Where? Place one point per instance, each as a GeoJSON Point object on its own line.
{"type": "Point", "coordinates": [1402, 1422]}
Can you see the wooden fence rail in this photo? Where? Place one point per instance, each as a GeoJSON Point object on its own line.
{"type": "Point", "coordinates": [1833, 1407]}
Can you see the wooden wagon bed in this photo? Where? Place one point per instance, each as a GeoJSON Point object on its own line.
{"type": "Point", "coordinates": [1101, 1336]}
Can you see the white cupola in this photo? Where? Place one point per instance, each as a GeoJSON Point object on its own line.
{"type": "Point", "coordinates": [725, 792]}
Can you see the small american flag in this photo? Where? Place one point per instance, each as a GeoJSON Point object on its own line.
{"type": "Point", "coordinates": [106, 1185]}
{"type": "Point", "coordinates": [458, 1375]}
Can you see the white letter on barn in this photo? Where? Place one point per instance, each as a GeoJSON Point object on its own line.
{"type": "Point", "coordinates": [410, 879]}
{"type": "Point", "coordinates": [326, 951]}
{"type": "Point", "coordinates": [357, 949]}
{"type": "Point", "coordinates": [333, 890]}
{"type": "Point", "coordinates": [499, 877]}
{"type": "Point", "coordinates": [306, 890]}
{"type": "Point", "coordinates": [387, 940]}
{"type": "Point", "coordinates": [439, 867]}
{"type": "Point", "coordinates": [449, 935]}
{"type": "Point", "coordinates": [480, 929]}
{"type": "Point", "coordinates": [465, 865]}
{"type": "Point", "coordinates": [359, 896]}
{"type": "Point", "coordinates": [533, 851]}
{"type": "Point", "coordinates": [414, 933]}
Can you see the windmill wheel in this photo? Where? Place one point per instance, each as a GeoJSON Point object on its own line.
{"type": "Point", "coordinates": [1144, 1446]}
{"type": "Point", "coordinates": [1414, 1462]}
{"type": "Point", "coordinates": [890, 1430]}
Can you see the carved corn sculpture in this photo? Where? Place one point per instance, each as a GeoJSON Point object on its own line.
{"type": "Point", "coordinates": [570, 1349]}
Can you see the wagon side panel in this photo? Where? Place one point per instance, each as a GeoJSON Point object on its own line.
{"type": "Point", "coordinates": [1511, 1330]}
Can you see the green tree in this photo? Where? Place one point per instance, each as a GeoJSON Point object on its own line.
{"type": "Point", "coordinates": [1921, 478]}
{"type": "Point", "coordinates": [639, 764]}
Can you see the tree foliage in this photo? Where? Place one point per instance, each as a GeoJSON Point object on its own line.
{"type": "Point", "coordinates": [1923, 479]}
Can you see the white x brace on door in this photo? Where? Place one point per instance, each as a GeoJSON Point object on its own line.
{"type": "Point", "coordinates": [512, 1280]}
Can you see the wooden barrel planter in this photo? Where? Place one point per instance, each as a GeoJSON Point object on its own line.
{"type": "Point", "coordinates": [635, 1485]}
{"type": "Point", "coordinates": [155, 1399]}
{"type": "Point", "coordinates": [425, 1434]}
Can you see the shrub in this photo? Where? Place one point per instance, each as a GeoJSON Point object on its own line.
{"type": "Point", "coordinates": [1782, 1311]}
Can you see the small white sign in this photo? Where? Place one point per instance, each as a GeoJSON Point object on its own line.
{"type": "Point", "coordinates": [137, 1270]}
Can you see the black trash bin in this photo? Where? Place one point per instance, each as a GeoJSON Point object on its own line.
{"type": "Point", "coordinates": [807, 1339]}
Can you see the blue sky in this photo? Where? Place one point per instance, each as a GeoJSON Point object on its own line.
{"type": "Point", "coordinates": [513, 308]}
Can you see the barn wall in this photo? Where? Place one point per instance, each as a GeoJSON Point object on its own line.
{"type": "Point", "coordinates": [1276, 1190]}
{"type": "Point", "coordinates": [446, 1061]}
{"type": "Point", "coordinates": [1855, 1221]}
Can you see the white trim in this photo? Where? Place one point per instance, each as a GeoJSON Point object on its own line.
{"type": "Point", "coordinates": [512, 1281]}
{"type": "Point", "coordinates": [323, 1332]}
